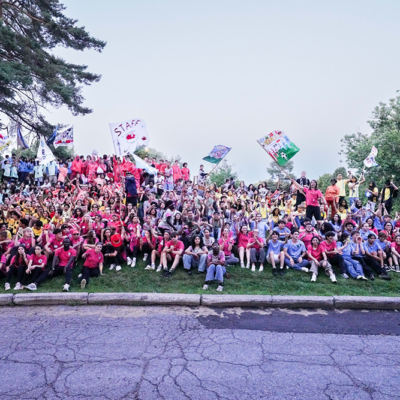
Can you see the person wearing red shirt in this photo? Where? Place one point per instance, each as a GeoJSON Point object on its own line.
{"type": "Point", "coordinates": [329, 247]}
{"type": "Point", "coordinates": [317, 257]}
{"type": "Point", "coordinates": [93, 265]}
{"type": "Point", "coordinates": [257, 252]}
{"type": "Point", "coordinates": [37, 264]}
{"type": "Point", "coordinates": [185, 172]}
{"type": "Point", "coordinates": [54, 243]}
{"type": "Point", "coordinates": [173, 250]}
{"type": "Point", "coordinates": [243, 240]}
{"type": "Point", "coordinates": [176, 171]}
{"type": "Point", "coordinates": [63, 263]}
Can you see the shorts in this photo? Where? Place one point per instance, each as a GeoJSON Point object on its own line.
{"type": "Point", "coordinates": [313, 211]}
{"type": "Point", "coordinates": [276, 257]}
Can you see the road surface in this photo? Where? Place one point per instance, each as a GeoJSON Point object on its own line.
{"type": "Point", "coordinates": [197, 353]}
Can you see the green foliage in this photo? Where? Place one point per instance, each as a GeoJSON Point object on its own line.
{"type": "Point", "coordinates": [143, 152]}
{"type": "Point", "coordinates": [276, 173]}
{"type": "Point", "coordinates": [223, 172]}
{"type": "Point", "coordinates": [325, 180]}
{"type": "Point", "coordinates": [31, 77]}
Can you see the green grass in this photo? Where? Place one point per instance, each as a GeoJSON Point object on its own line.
{"type": "Point", "coordinates": [242, 281]}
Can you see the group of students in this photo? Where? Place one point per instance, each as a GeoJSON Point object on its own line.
{"type": "Point", "coordinates": [108, 213]}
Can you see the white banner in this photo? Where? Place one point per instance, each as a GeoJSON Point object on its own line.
{"type": "Point", "coordinates": [128, 135]}
{"type": "Point", "coordinates": [65, 138]}
{"type": "Point", "coordinates": [143, 165]}
{"type": "Point", "coordinates": [44, 154]}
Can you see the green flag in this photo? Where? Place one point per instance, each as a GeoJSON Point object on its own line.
{"type": "Point", "coordinates": [217, 154]}
{"type": "Point", "coordinates": [279, 146]}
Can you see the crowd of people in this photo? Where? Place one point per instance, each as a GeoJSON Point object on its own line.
{"type": "Point", "coordinates": [95, 212]}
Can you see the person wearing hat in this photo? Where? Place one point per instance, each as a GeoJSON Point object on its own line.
{"type": "Point", "coordinates": [114, 252]}
{"type": "Point", "coordinates": [63, 262]}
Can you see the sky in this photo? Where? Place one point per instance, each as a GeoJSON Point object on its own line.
{"type": "Point", "coordinates": [211, 72]}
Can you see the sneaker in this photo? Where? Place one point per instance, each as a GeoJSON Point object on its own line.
{"type": "Point", "coordinates": [189, 272]}
{"type": "Point", "coordinates": [149, 267]}
{"type": "Point", "coordinates": [165, 268]}
{"type": "Point", "coordinates": [261, 268]}
{"type": "Point", "coordinates": [205, 287]}
{"type": "Point", "coordinates": [112, 266]}
{"type": "Point", "coordinates": [248, 265]}
{"type": "Point", "coordinates": [145, 257]}
{"type": "Point", "coordinates": [274, 272]}
{"type": "Point", "coordinates": [397, 268]}
{"type": "Point", "coordinates": [253, 268]}
{"type": "Point", "coordinates": [79, 276]}
{"type": "Point", "coordinates": [220, 288]}
{"type": "Point", "coordinates": [242, 265]}
{"type": "Point", "coordinates": [386, 277]}
{"type": "Point", "coordinates": [133, 262]}
{"type": "Point", "coordinates": [159, 268]}
{"type": "Point", "coordinates": [359, 277]}
{"type": "Point", "coordinates": [153, 266]}
{"type": "Point", "coordinates": [118, 268]}
{"type": "Point", "coordinates": [18, 286]}
{"type": "Point", "coordinates": [304, 269]}
{"type": "Point", "coordinates": [7, 286]}
{"type": "Point", "coordinates": [129, 261]}
{"type": "Point", "coordinates": [314, 278]}
{"type": "Point", "coordinates": [83, 283]}
{"type": "Point", "coordinates": [363, 278]}
{"type": "Point", "coordinates": [282, 271]}
{"type": "Point", "coordinates": [372, 277]}
{"type": "Point", "coordinates": [66, 288]}
{"type": "Point", "coordinates": [345, 276]}
{"type": "Point", "coordinates": [333, 278]}
{"type": "Point", "coordinates": [31, 286]}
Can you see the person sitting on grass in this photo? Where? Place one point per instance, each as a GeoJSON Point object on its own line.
{"type": "Point", "coordinates": [93, 265]}
{"type": "Point", "coordinates": [172, 251]}
{"type": "Point", "coordinates": [114, 252]}
{"type": "Point", "coordinates": [295, 252]}
{"type": "Point", "coordinates": [257, 252]}
{"type": "Point", "coordinates": [374, 257]}
{"type": "Point", "coordinates": [215, 267]}
{"type": "Point", "coordinates": [18, 266]}
{"type": "Point", "coordinates": [333, 254]}
{"type": "Point", "coordinates": [345, 247]}
{"type": "Point", "coordinates": [63, 262]}
{"type": "Point", "coordinates": [162, 243]}
{"type": "Point", "coordinates": [195, 256]}
{"type": "Point", "coordinates": [37, 265]}
{"type": "Point", "coordinates": [395, 251]}
{"type": "Point", "coordinates": [226, 243]}
{"type": "Point", "coordinates": [317, 256]}
{"type": "Point", "coordinates": [275, 253]}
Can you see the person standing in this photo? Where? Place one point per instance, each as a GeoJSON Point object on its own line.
{"type": "Point", "coordinates": [332, 196]}
{"type": "Point", "coordinates": [387, 194]}
{"type": "Point", "coordinates": [303, 181]}
{"type": "Point", "coordinates": [341, 184]}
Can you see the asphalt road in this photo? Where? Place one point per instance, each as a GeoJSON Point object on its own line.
{"type": "Point", "coordinates": [181, 353]}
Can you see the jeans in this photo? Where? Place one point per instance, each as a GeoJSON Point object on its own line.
{"type": "Point", "coordinates": [189, 261]}
{"type": "Point", "coordinates": [352, 200]}
{"type": "Point", "coordinates": [361, 259]}
{"type": "Point", "coordinates": [257, 255]}
{"type": "Point", "coordinates": [231, 260]}
{"type": "Point", "coordinates": [215, 272]}
{"type": "Point", "coordinates": [354, 268]}
{"type": "Point", "coordinates": [339, 260]}
{"type": "Point", "coordinates": [20, 269]}
{"type": "Point", "coordinates": [57, 271]}
{"type": "Point", "coordinates": [88, 272]}
{"type": "Point", "coordinates": [297, 265]}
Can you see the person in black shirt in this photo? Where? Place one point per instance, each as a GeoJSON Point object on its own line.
{"type": "Point", "coordinates": [305, 182]}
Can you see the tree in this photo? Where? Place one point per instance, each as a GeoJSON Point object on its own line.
{"type": "Point", "coordinates": [223, 172]}
{"type": "Point", "coordinates": [31, 77]}
{"type": "Point", "coordinates": [385, 137]}
{"type": "Point", "coordinates": [276, 173]}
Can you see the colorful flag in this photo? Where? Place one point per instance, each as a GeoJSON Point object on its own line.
{"type": "Point", "coordinates": [44, 154]}
{"type": "Point", "coordinates": [65, 138]}
{"type": "Point", "coordinates": [5, 142]}
{"type": "Point", "coordinates": [217, 154]}
{"type": "Point", "coordinates": [279, 146]}
{"type": "Point", "coordinates": [370, 160]}
{"type": "Point", "coordinates": [128, 135]}
{"type": "Point", "coordinates": [20, 139]}
{"type": "Point", "coordinates": [52, 138]}
{"type": "Point", "coordinates": [143, 165]}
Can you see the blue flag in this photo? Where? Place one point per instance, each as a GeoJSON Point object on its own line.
{"type": "Point", "coordinates": [52, 138]}
{"type": "Point", "coordinates": [20, 139]}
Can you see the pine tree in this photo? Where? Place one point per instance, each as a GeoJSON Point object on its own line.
{"type": "Point", "coordinates": [31, 77]}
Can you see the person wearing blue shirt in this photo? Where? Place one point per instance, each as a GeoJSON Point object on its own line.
{"type": "Point", "coordinates": [275, 253]}
{"type": "Point", "coordinates": [282, 230]}
{"type": "Point", "coordinates": [295, 251]}
{"type": "Point", "coordinates": [374, 257]}
{"type": "Point", "coordinates": [354, 268]}
{"type": "Point", "coordinates": [386, 251]}
{"type": "Point", "coordinates": [365, 231]}
{"type": "Point", "coordinates": [262, 226]}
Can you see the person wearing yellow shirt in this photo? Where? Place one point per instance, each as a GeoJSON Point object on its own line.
{"type": "Point", "coordinates": [263, 210]}
{"type": "Point", "coordinates": [387, 194]}
{"type": "Point", "coordinates": [341, 184]}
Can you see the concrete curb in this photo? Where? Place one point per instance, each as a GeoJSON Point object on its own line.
{"type": "Point", "coordinates": [324, 302]}
{"type": "Point", "coordinates": [6, 299]}
{"type": "Point", "coordinates": [367, 303]}
{"type": "Point", "coordinates": [232, 300]}
{"type": "Point", "coordinates": [195, 300]}
{"type": "Point", "coordinates": [154, 299]}
{"type": "Point", "coordinates": [50, 299]}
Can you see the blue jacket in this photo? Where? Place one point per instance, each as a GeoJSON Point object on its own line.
{"type": "Point", "coordinates": [130, 186]}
